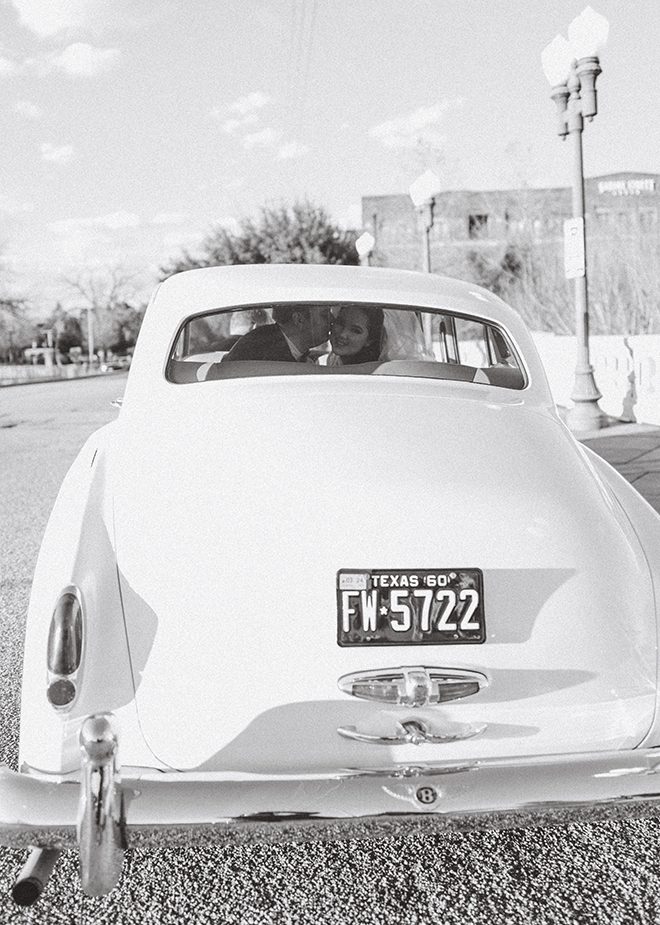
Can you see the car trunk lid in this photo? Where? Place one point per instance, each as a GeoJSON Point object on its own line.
{"type": "Point", "coordinates": [236, 512]}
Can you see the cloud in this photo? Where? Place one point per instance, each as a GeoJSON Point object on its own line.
{"type": "Point", "coordinates": [246, 107]}
{"type": "Point", "coordinates": [170, 218]}
{"type": "Point", "coordinates": [228, 223]}
{"type": "Point", "coordinates": [249, 103]}
{"type": "Point", "coordinates": [421, 125]}
{"type": "Point", "coordinates": [56, 154]}
{"type": "Point", "coordinates": [48, 17]}
{"type": "Point", "coordinates": [11, 206]}
{"type": "Point", "coordinates": [291, 150]}
{"type": "Point", "coordinates": [94, 228]}
{"type": "Point", "coordinates": [116, 220]}
{"type": "Point", "coordinates": [27, 109]}
{"type": "Point", "coordinates": [7, 67]}
{"type": "Point", "coordinates": [83, 60]}
{"type": "Point", "coordinates": [266, 138]}
{"type": "Point", "coordinates": [77, 60]}
{"type": "Point", "coordinates": [69, 225]}
{"type": "Point", "coordinates": [232, 125]}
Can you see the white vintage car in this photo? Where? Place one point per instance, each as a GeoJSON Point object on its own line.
{"type": "Point", "coordinates": [308, 588]}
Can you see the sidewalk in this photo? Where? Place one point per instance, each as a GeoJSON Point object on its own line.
{"type": "Point", "coordinates": [634, 450]}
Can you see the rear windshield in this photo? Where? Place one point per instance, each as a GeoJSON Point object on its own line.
{"type": "Point", "coordinates": [339, 338]}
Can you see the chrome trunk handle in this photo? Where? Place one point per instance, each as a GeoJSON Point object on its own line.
{"type": "Point", "coordinates": [413, 732]}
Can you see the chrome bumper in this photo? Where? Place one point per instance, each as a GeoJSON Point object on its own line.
{"type": "Point", "coordinates": [169, 811]}
{"type": "Point", "coordinates": [102, 815]}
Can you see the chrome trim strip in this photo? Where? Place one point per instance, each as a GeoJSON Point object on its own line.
{"type": "Point", "coordinates": [175, 810]}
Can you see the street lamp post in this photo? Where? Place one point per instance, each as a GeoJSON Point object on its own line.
{"type": "Point", "coordinates": [423, 192]}
{"type": "Point", "coordinates": [364, 247]}
{"type": "Point", "coordinates": [572, 68]}
{"type": "Point", "coordinates": [90, 335]}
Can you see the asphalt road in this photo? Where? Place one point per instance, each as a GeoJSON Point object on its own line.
{"type": "Point", "coordinates": [600, 873]}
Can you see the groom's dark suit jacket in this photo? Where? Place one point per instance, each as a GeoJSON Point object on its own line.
{"type": "Point", "coordinates": [263, 343]}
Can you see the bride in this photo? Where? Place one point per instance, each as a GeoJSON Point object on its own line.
{"type": "Point", "coordinates": [356, 335]}
{"type": "Point", "coordinates": [366, 334]}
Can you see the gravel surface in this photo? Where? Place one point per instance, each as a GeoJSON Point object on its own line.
{"type": "Point", "coordinates": [600, 873]}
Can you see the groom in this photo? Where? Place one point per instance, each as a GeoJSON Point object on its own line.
{"type": "Point", "coordinates": [296, 329]}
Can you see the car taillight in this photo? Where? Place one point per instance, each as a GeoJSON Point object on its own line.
{"type": "Point", "coordinates": [65, 640]}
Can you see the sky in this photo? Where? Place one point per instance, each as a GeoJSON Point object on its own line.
{"type": "Point", "coordinates": [131, 128]}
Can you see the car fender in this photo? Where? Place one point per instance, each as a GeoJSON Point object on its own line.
{"type": "Point", "coordinates": [644, 521]}
{"type": "Point", "coordinates": [77, 552]}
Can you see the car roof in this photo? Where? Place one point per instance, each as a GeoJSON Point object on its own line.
{"type": "Point", "coordinates": [194, 292]}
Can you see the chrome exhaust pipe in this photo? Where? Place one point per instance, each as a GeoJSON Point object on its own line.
{"type": "Point", "coordinates": [34, 876]}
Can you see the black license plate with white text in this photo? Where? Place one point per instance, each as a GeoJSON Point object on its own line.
{"type": "Point", "coordinates": [410, 607]}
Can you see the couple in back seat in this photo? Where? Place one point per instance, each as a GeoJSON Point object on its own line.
{"type": "Point", "coordinates": [355, 333]}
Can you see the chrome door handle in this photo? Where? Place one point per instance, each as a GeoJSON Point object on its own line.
{"type": "Point", "coordinates": [413, 732]}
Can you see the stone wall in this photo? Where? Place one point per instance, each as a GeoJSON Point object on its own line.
{"type": "Point", "coordinates": [626, 370]}
{"type": "Point", "coordinates": [20, 375]}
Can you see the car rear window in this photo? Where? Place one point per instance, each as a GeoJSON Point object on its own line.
{"type": "Point", "coordinates": [339, 338]}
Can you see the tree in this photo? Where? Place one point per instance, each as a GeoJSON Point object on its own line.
{"type": "Point", "coordinates": [126, 323]}
{"type": "Point", "coordinates": [15, 328]}
{"type": "Point", "coordinates": [302, 233]}
{"type": "Point", "coordinates": [109, 293]}
{"type": "Point", "coordinates": [624, 285]}
{"type": "Point", "coordinates": [66, 332]}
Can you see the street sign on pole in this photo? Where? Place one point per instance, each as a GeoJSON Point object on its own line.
{"type": "Point", "coordinates": [574, 263]}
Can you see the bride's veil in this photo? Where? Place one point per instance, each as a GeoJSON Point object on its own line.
{"type": "Point", "coordinates": [403, 337]}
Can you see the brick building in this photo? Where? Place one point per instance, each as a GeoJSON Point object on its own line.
{"type": "Point", "coordinates": [624, 206]}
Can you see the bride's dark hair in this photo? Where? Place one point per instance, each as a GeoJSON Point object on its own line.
{"type": "Point", "coordinates": [371, 350]}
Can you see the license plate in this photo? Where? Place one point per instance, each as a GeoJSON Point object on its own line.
{"type": "Point", "coordinates": [432, 607]}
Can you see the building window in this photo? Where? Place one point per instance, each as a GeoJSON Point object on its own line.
{"type": "Point", "coordinates": [478, 226]}
{"type": "Point", "coordinates": [623, 221]}
{"type": "Point", "coordinates": [648, 219]}
{"type": "Point", "coordinates": [512, 224]}
{"type": "Point", "coordinates": [440, 228]}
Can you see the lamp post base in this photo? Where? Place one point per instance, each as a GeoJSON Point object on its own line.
{"type": "Point", "coordinates": [585, 414]}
